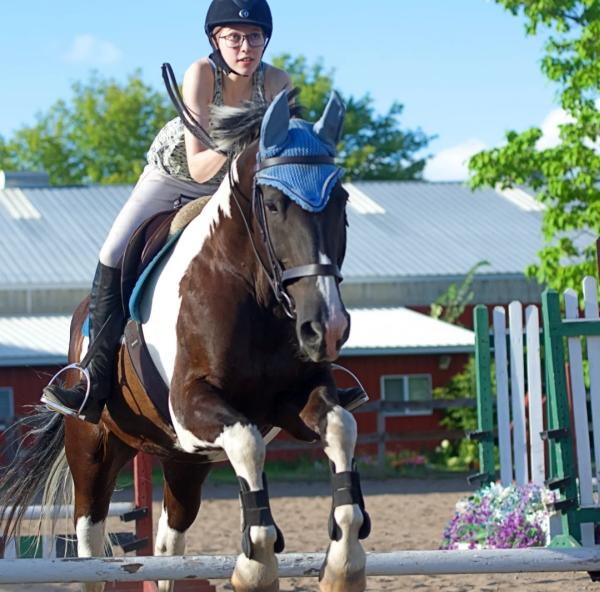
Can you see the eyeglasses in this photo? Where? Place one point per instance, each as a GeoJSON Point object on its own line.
{"type": "Point", "coordinates": [236, 40]}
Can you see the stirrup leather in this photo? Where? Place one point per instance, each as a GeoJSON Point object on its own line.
{"type": "Point", "coordinates": [55, 406]}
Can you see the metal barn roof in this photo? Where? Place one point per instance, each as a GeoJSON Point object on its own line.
{"type": "Point", "coordinates": [439, 229]}
{"type": "Point", "coordinates": [51, 236]}
{"type": "Point", "coordinates": [32, 341]}
{"type": "Point", "coordinates": [44, 340]}
{"type": "Point", "coordinates": [403, 331]}
{"type": "Point", "coordinates": [398, 230]}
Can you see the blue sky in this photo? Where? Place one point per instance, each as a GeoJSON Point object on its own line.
{"type": "Point", "coordinates": [463, 69]}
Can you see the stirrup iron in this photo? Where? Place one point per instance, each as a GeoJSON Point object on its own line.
{"type": "Point", "coordinates": [54, 406]}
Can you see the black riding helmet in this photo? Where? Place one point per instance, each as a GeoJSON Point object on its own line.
{"type": "Point", "coordinates": [237, 12]}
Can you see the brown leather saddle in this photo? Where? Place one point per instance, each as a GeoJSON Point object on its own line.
{"type": "Point", "coordinates": [143, 247]}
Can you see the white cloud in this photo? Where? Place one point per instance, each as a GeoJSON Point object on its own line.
{"type": "Point", "coordinates": [450, 164]}
{"type": "Point", "coordinates": [550, 128]}
{"type": "Point", "coordinates": [89, 50]}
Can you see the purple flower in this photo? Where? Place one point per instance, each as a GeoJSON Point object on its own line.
{"type": "Point", "coordinates": [501, 518]}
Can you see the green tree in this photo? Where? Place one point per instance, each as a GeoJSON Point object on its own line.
{"type": "Point", "coordinates": [565, 177]}
{"type": "Point", "coordinates": [5, 155]}
{"type": "Point", "coordinates": [100, 136]}
{"type": "Point", "coordinates": [451, 305]}
{"type": "Point", "coordinates": [462, 453]}
{"type": "Point", "coordinates": [373, 146]}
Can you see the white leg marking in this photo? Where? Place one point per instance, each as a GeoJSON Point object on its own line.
{"type": "Point", "coordinates": [90, 543]}
{"type": "Point", "coordinates": [346, 556]}
{"type": "Point", "coordinates": [246, 450]}
{"type": "Point", "coordinates": [336, 323]}
{"type": "Point", "coordinates": [168, 542]}
{"type": "Point", "coordinates": [90, 537]}
{"type": "Point", "coordinates": [340, 438]}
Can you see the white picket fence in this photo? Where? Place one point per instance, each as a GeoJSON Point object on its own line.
{"type": "Point", "coordinates": [519, 398]}
{"type": "Point", "coordinates": [517, 455]}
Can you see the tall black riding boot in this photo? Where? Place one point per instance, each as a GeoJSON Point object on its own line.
{"type": "Point", "coordinates": [106, 328]}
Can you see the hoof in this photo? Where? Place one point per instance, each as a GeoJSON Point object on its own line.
{"type": "Point", "coordinates": [330, 582]}
{"type": "Point", "coordinates": [250, 575]}
{"type": "Point", "coordinates": [244, 587]}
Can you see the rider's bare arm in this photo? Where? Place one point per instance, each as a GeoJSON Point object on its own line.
{"type": "Point", "coordinates": [198, 86]}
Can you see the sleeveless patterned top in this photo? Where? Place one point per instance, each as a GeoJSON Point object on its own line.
{"type": "Point", "coordinates": [167, 151]}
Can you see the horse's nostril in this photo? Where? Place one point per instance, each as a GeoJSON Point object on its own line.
{"type": "Point", "coordinates": [311, 332]}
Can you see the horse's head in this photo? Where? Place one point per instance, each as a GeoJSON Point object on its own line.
{"type": "Point", "coordinates": [300, 206]}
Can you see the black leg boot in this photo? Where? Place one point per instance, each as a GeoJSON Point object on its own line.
{"type": "Point", "coordinates": [352, 398]}
{"type": "Point", "coordinates": [106, 328]}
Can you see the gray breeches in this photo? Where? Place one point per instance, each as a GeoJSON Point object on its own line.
{"type": "Point", "coordinates": [154, 192]}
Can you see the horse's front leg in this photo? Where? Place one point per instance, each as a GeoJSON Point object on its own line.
{"type": "Point", "coordinates": [344, 567]}
{"type": "Point", "coordinates": [203, 419]}
{"type": "Point", "coordinates": [256, 567]}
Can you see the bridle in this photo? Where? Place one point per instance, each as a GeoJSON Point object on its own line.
{"type": "Point", "coordinates": [277, 276]}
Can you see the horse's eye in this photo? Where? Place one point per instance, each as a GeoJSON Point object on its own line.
{"type": "Point", "coordinates": [271, 207]}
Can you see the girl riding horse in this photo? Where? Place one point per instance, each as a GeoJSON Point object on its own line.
{"type": "Point", "coordinates": [242, 319]}
{"type": "Point", "coordinates": [178, 164]}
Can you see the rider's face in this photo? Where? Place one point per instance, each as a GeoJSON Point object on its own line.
{"type": "Point", "coordinates": [241, 47]}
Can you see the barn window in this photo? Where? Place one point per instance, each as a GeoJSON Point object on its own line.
{"type": "Point", "coordinates": [7, 405]}
{"type": "Point", "coordinates": [406, 388]}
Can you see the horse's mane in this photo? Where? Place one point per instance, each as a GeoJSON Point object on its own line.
{"type": "Point", "coordinates": [234, 128]}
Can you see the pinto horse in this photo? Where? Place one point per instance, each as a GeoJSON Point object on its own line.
{"type": "Point", "coordinates": [242, 319]}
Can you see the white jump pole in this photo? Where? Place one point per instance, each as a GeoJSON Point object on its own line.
{"type": "Point", "coordinates": [34, 512]}
{"type": "Point", "coordinates": [128, 569]}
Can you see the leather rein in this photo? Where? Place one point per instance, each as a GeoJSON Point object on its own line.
{"type": "Point", "coordinates": [277, 276]}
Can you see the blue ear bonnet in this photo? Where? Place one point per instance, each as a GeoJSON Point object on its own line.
{"type": "Point", "coordinates": [308, 185]}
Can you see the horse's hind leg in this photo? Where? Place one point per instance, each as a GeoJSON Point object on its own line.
{"type": "Point", "coordinates": [95, 458]}
{"type": "Point", "coordinates": [181, 502]}
{"type": "Point", "coordinates": [344, 567]}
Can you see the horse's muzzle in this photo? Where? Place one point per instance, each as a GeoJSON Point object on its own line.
{"type": "Point", "coordinates": [322, 342]}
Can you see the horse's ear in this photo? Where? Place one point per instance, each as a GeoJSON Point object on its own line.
{"type": "Point", "coordinates": [329, 127]}
{"type": "Point", "coordinates": [274, 128]}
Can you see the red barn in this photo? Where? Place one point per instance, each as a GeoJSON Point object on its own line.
{"type": "Point", "coordinates": [408, 244]}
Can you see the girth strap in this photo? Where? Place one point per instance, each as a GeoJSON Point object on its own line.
{"type": "Point", "coordinates": [346, 491]}
{"type": "Point", "coordinates": [313, 269]}
{"type": "Point", "coordinates": [256, 511]}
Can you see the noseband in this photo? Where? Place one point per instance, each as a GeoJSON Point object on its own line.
{"type": "Point", "coordinates": [277, 276]}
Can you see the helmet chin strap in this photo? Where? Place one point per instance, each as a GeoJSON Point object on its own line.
{"type": "Point", "coordinates": [217, 57]}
